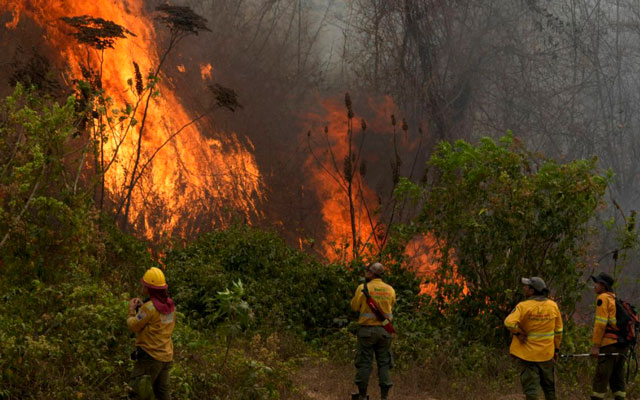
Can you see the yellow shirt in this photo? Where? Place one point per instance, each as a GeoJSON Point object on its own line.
{"type": "Point", "coordinates": [605, 313]}
{"type": "Point", "coordinates": [153, 331]}
{"type": "Point", "coordinates": [540, 320]}
{"type": "Point", "coordinates": [382, 293]}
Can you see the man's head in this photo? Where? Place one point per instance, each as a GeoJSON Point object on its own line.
{"type": "Point", "coordinates": [374, 270]}
{"type": "Point", "coordinates": [534, 286]}
{"type": "Point", "coordinates": [603, 283]}
{"type": "Point", "coordinates": [153, 278]}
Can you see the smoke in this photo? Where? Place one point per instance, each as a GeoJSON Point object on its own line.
{"type": "Point", "coordinates": [562, 78]}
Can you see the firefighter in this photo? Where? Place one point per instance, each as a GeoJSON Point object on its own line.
{"type": "Point", "coordinates": [372, 337]}
{"type": "Point", "coordinates": [536, 325]}
{"type": "Point", "coordinates": [610, 368]}
{"type": "Point", "coordinates": [152, 320]}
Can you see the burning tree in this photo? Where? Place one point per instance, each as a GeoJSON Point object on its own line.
{"type": "Point", "coordinates": [182, 22]}
{"type": "Point", "coordinates": [342, 158]}
{"type": "Point", "coordinates": [97, 34]}
{"type": "Point", "coordinates": [111, 125]}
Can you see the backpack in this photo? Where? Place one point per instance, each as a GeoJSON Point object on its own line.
{"type": "Point", "coordinates": [627, 323]}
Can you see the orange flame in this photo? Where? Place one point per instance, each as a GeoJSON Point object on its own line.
{"type": "Point", "coordinates": [419, 254]}
{"type": "Point", "coordinates": [181, 68]}
{"type": "Point", "coordinates": [422, 254]}
{"type": "Point", "coordinates": [192, 175]}
{"type": "Point", "coordinates": [205, 71]}
{"type": "Point", "coordinates": [325, 174]}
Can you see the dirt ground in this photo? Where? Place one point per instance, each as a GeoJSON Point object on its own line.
{"type": "Point", "coordinates": [324, 381]}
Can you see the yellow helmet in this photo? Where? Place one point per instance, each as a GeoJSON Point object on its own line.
{"type": "Point", "coordinates": [154, 279]}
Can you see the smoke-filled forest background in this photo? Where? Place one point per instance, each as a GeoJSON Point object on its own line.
{"type": "Point", "coordinates": [259, 151]}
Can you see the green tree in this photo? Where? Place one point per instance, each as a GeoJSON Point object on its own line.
{"type": "Point", "coordinates": [46, 226]}
{"type": "Point", "coordinates": [498, 213]}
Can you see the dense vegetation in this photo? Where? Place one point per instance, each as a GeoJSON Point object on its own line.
{"type": "Point", "coordinates": [251, 308]}
{"type": "Point", "coordinates": [499, 212]}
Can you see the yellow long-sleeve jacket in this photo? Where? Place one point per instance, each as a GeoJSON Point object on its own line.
{"type": "Point", "coordinates": [153, 331]}
{"type": "Point", "coordinates": [540, 320]}
{"type": "Point", "coordinates": [605, 314]}
{"type": "Point", "coordinates": [382, 293]}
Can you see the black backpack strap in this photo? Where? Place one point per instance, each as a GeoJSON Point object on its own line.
{"type": "Point", "coordinates": [365, 290]}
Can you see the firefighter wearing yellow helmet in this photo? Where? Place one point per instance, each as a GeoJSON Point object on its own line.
{"type": "Point", "coordinates": [536, 325]}
{"type": "Point", "coordinates": [152, 320]}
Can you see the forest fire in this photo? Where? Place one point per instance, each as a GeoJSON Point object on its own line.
{"type": "Point", "coordinates": [200, 175]}
{"type": "Point", "coordinates": [419, 253]}
{"type": "Point", "coordinates": [330, 149]}
{"type": "Point", "coordinates": [195, 174]}
{"type": "Point", "coordinates": [422, 253]}
{"type": "Point", "coordinates": [328, 139]}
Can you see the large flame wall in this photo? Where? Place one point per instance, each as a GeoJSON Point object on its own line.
{"type": "Point", "coordinates": [195, 174]}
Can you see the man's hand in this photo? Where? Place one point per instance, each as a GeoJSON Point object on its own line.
{"type": "Point", "coordinates": [556, 355]}
{"type": "Point", "coordinates": [595, 350]}
{"type": "Point", "coordinates": [134, 303]}
{"type": "Point", "coordinates": [522, 337]}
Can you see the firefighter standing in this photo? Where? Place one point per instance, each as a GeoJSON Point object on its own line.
{"type": "Point", "coordinates": [610, 368]}
{"type": "Point", "coordinates": [372, 337]}
{"type": "Point", "coordinates": [152, 321]}
{"type": "Point", "coordinates": [536, 325]}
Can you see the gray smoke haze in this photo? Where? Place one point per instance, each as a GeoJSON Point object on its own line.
{"type": "Point", "coordinates": [562, 75]}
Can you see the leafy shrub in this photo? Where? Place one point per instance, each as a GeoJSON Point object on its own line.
{"type": "Point", "coordinates": [285, 288]}
{"type": "Point", "coordinates": [63, 340]}
{"type": "Point", "coordinates": [500, 213]}
{"type": "Point", "coordinates": [47, 223]}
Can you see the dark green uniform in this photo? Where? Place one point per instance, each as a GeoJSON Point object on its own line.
{"type": "Point", "coordinates": [610, 372]}
{"type": "Point", "coordinates": [373, 340]}
{"type": "Point", "coordinates": [537, 374]}
{"type": "Point", "coordinates": [158, 377]}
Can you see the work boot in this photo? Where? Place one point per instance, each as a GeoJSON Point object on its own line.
{"type": "Point", "coordinates": [361, 395]}
{"type": "Point", "coordinates": [384, 392]}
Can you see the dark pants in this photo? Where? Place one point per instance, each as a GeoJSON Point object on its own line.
{"type": "Point", "coordinates": [157, 374]}
{"type": "Point", "coordinates": [373, 340]}
{"type": "Point", "coordinates": [610, 372]}
{"type": "Point", "coordinates": [534, 375]}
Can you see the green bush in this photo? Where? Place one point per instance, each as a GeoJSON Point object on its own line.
{"type": "Point", "coordinates": [498, 213]}
{"type": "Point", "coordinates": [47, 222]}
{"type": "Point", "coordinates": [70, 340]}
{"type": "Point", "coordinates": [67, 340]}
{"type": "Point", "coordinates": [285, 288]}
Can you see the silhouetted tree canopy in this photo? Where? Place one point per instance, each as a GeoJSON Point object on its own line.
{"type": "Point", "coordinates": [96, 32]}
{"type": "Point", "coordinates": [225, 97]}
{"type": "Point", "coordinates": [181, 19]}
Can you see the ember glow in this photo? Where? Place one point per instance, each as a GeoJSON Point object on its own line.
{"type": "Point", "coordinates": [205, 71]}
{"type": "Point", "coordinates": [196, 174]}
